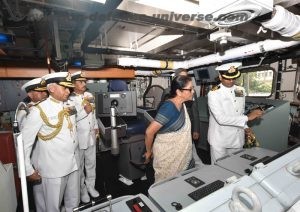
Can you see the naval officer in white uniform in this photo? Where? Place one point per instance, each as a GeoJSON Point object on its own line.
{"type": "Point", "coordinates": [36, 91]}
{"type": "Point", "coordinates": [87, 130]}
{"type": "Point", "coordinates": [53, 121]}
{"type": "Point", "coordinates": [227, 122]}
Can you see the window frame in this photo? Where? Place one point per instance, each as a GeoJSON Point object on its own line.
{"type": "Point", "coordinates": [261, 68]}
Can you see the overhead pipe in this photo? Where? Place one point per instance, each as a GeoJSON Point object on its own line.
{"type": "Point", "coordinates": [104, 50]}
{"type": "Point", "coordinates": [241, 52]}
{"type": "Point", "coordinates": [235, 53]}
{"type": "Point", "coordinates": [155, 73]}
{"type": "Point", "coordinates": [139, 62]}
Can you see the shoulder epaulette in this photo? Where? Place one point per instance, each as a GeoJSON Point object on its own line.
{"type": "Point", "coordinates": [214, 88]}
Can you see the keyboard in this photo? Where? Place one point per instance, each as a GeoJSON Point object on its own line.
{"type": "Point", "coordinates": [206, 190]}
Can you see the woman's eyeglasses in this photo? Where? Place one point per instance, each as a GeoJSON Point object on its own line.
{"type": "Point", "coordinates": [187, 89]}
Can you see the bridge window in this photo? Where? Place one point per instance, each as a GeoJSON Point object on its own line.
{"type": "Point", "coordinates": [257, 82]}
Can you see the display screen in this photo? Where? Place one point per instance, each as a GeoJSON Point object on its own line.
{"type": "Point", "coordinates": [205, 74]}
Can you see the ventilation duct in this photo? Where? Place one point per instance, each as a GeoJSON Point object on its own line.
{"type": "Point", "coordinates": [235, 53]}
{"type": "Point", "coordinates": [284, 22]}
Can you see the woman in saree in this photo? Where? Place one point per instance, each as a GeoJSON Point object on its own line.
{"type": "Point", "coordinates": [168, 137]}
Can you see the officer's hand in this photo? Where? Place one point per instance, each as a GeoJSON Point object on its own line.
{"type": "Point", "coordinates": [35, 177]}
{"type": "Point", "coordinates": [88, 108]}
{"type": "Point", "coordinates": [196, 136]}
{"type": "Point", "coordinates": [255, 114]}
{"type": "Point", "coordinates": [147, 157]}
{"type": "Point", "coordinates": [97, 133]}
{"type": "Point", "coordinates": [248, 131]}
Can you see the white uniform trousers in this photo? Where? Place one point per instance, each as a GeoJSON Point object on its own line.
{"type": "Point", "coordinates": [50, 199]}
{"type": "Point", "coordinates": [87, 162]}
{"type": "Point", "coordinates": [219, 152]}
{"type": "Point", "coordinates": [39, 199]}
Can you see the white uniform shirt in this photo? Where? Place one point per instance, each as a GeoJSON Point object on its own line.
{"type": "Point", "coordinates": [21, 115]}
{"type": "Point", "coordinates": [226, 120]}
{"type": "Point", "coordinates": [21, 118]}
{"type": "Point", "coordinates": [57, 156]}
{"type": "Point", "coordinates": [86, 123]}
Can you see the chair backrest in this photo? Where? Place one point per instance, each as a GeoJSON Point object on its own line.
{"type": "Point", "coordinates": [152, 97]}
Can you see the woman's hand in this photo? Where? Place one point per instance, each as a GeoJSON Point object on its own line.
{"type": "Point", "coordinates": [151, 131]}
{"type": "Point", "coordinates": [147, 157]}
{"type": "Point", "coordinates": [196, 136]}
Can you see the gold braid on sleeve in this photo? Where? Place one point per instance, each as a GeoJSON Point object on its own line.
{"type": "Point", "coordinates": [57, 126]}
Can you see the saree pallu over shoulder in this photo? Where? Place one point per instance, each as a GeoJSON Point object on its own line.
{"type": "Point", "coordinates": [172, 152]}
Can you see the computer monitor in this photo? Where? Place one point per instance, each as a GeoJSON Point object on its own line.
{"type": "Point", "coordinates": [124, 102]}
{"type": "Point", "coordinates": [205, 74]}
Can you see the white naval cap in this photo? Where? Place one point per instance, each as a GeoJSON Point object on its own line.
{"type": "Point", "coordinates": [37, 84]}
{"type": "Point", "coordinates": [61, 78]}
{"type": "Point", "coordinates": [78, 76]}
{"type": "Point", "coordinates": [229, 70]}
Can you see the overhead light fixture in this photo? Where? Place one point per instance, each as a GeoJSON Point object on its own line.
{"type": "Point", "coordinates": [157, 42]}
{"type": "Point", "coordinates": [176, 6]}
{"type": "Point", "coordinates": [220, 36]}
{"type": "Point", "coordinates": [99, 1]}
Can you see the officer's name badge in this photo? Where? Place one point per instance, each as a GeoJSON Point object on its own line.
{"type": "Point", "coordinates": [239, 93]}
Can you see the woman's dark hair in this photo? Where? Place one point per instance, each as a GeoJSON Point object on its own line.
{"type": "Point", "coordinates": [178, 82]}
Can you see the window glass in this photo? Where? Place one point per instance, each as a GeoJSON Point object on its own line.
{"type": "Point", "coordinates": [257, 82]}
